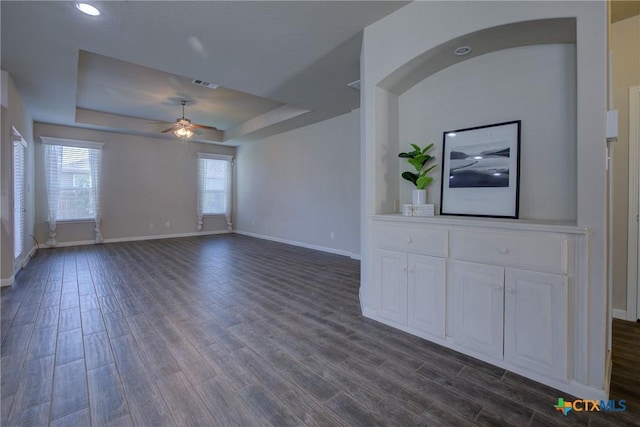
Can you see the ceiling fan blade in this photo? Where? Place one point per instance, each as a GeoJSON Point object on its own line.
{"type": "Point", "coordinates": [167, 130]}
{"type": "Point", "coordinates": [203, 126]}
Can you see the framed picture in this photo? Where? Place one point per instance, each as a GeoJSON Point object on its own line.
{"type": "Point", "coordinates": [481, 171]}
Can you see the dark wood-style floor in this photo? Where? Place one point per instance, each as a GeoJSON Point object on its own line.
{"type": "Point", "coordinates": [234, 331]}
{"type": "Point", "coordinates": [625, 375]}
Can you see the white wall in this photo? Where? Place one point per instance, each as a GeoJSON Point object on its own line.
{"type": "Point", "coordinates": [144, 180]}
{"type": "Point", "coordinates": [625, 38]}
{"type": "Point", "coordinates": [14, 115]}
{"type": "Point", "coordinates": [534, 84]}
{"type": "Point", "coordinates": [302, 185]}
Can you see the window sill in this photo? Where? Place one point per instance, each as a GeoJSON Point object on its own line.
{"type": "Point", "coordinates": [213, 214]}
{"type": "Point", "coordinates": [72, 221]}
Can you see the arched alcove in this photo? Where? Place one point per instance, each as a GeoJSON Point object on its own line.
{"type": "Point", "coordinates": [519, 71]}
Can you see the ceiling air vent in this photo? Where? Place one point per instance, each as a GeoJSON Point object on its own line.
{"type": "Point", "coordinates": [205, 84]}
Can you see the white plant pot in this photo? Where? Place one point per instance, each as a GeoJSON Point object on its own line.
{"type": "Point", "coordinates": [419, 197]}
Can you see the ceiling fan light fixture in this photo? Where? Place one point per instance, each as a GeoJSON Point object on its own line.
{"type": "Point", "coordinates": [183, 132]}
{"type": "Point", "coordinates": [87, 9]}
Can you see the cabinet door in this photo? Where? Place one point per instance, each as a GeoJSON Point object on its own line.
{"type": "Point", "coordinates": [536, 311]}
{"type": "Point", "coordinates": [426, 288]}
{"type": "Point", "coordinates": [478, 295]}
{"type": "Point", "coordinates": [391, 285]}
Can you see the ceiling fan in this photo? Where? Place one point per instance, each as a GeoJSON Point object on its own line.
{"type": "Point", "coordinates": [183, 128]}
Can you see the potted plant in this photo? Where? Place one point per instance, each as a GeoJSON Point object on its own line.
{"type": "Point", "coordinates": [419, 159]}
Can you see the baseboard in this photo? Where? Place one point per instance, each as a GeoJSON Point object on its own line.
{"type": "Point", "coordinates": [166, 236]}
{"type": "Point", "coordinates": [26, 260]}
{"type": "Point", "coordinates": [21, 264]}
{"type": "Point", "coordinates": [620, 314]}
{"type": "Point", "coordinates": [138, 238]}
{"type": "Point", "coordinates": [67, 244]}
{"type": "Point", "coordinates": [300, 244]}
{"type": "Point", "coordinates": [6, 282]}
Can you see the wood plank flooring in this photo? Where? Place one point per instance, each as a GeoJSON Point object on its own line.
{"type": "Point", "coordinates": [234, 331]}
{"type": "Point", "coordinates": [625, 375]}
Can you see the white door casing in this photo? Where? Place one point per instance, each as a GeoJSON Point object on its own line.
{"type": "Point", "coordinates": [633, 246]}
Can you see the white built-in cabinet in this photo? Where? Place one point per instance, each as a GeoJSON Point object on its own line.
{"type": "Point", "coordinates": [516, 315]}
{"type": "Point", "coordinates": [391, 275]}
{"type": "Point", "coordinates": [501, 293]}
{"type": "Point", "coordinates": [412, 290]}
{"type": "Point", "coordinates": [536, 313]}
{"type": "Point", "coordinates": [426, 296]}
{"type": "Point", "coordinates": [476, 299]}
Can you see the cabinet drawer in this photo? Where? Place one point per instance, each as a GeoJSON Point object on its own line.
{"type": "Point", "coordinates": [412, 239]}
{"type": "Point", "coordinates": [546, 253]}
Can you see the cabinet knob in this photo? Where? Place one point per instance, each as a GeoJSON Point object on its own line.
{"type": "Point", "coordinates": [511, 290]}
{"type": "Point", "coordinates": [498, 287]}
{"type": "Point", "coordinates": [503, 250]}
{"type": "Point", "coordinates": [404, 269]}
{"type": "Point", "coordinates": [411, 270]}
{"type": "Point", "coordinates": [407, 239]}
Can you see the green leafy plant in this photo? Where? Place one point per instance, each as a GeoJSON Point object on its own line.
{"type": "Point", "coordinates": [419, 159]}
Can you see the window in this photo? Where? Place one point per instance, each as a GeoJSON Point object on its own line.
{"type": "Point", "coordinates": [214, 186]}
{"type": "Point", "coordinates": [214, 191]}
{"type": "Point", "coordinates": [76, 195]}
{"type": "Point", "coordinates": [73, 182]}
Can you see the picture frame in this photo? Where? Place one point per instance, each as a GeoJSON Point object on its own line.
{"type": "Point", "coordinates": [481, 171]}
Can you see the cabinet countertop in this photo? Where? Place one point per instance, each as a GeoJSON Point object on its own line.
{"type": "Point", "coordinates": [497, 223]}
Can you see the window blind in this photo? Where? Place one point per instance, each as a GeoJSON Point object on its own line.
{"type": "Point", "coordinates": [19, 209]}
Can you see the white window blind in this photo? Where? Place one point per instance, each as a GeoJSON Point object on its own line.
{"type": "Point", "coordinates": [19, 209]}
{"type": "Point", "coordinates": [214, 186]}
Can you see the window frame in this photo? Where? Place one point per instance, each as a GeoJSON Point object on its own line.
{"type": "Point", "coordinates": [225, 192]}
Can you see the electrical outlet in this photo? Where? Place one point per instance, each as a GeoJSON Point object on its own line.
{"type": "Point", "coordinates": [167, 224]}
{"type": "Point", "coordinates": [333, 235]}
{"type": "Point", "coordinates": [150, 225]}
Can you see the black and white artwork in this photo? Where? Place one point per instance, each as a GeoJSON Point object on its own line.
{"type": "Point", "coordinates": [484, 165]}
{"type": "Point", "coordinates": [480, 173]}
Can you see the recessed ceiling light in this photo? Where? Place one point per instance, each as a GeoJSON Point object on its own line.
{"type": "Point", "coordinates": [462, 50]}
{"type": "Point", "coordinates": [88, 9]}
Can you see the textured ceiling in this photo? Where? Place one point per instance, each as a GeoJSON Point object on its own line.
{"type": "Point", "coordinates": [281, 64]}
